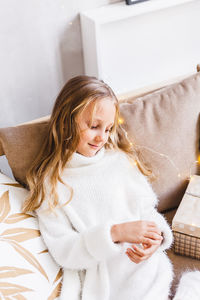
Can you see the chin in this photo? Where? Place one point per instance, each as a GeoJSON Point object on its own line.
{"type": "Point", "coordinates": [91, 153]}
{"type": "Point", "coordinates": [88, 152]}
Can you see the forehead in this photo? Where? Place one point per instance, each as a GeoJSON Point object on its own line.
{"type": "Point", "coordinates": [103, 109]}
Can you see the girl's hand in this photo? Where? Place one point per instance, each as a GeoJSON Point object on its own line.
{"type": "Point", "coordinates": [137, 255]}
{"type": "Point", "coordinates": [138, 232]}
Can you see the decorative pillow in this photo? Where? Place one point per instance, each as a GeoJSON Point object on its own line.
{"type": "Point", "coordinates": [165, 126]}
{"type": "Point", "coordinates": [27, 270]}
{"type": "Point", "coordinates": [21, 144]}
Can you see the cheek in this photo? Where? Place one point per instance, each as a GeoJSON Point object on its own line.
{"type": "Point", "coordinates": [86, 136]}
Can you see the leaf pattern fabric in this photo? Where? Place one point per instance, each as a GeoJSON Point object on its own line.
{"type": "Point", "coordinates": [27, 270]}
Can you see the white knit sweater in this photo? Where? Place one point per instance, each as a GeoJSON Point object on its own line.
{"type": "Point", "coordinates": [107, 190]}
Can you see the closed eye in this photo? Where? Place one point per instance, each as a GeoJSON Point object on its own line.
{"type": "Point", "coordinates": [107, 130]}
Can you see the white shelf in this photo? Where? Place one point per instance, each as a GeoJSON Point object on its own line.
{"type": "Point", "coordinates": [120, 11]}
{"type": "Point", "coordinates": [132, 46]}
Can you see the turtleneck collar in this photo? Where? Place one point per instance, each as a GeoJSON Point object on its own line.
{"type": "Point", "coordinates": [79, 160]}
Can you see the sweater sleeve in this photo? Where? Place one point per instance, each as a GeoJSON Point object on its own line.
{"type": "Point", "coordinates": [148, 201]}
{"type": "Point", "coordinates": [71, 249]}
{"type": "Point", "coordinates": [151, 214]}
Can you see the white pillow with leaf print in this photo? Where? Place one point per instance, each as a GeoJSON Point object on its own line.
{"type": "Point", "coordinates": [27, 270]}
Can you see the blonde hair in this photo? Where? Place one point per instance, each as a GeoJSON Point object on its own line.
{"type": "Point", "coordinates": [63, 136]}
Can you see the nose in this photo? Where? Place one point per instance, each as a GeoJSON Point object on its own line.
{"type": "Point", "coordinates": [100, 137]}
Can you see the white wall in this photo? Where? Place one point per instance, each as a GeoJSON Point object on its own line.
{"type": "Point", "coordinates": [40, 49]}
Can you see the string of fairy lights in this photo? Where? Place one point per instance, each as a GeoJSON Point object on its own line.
{"type": "Point", "coordinates": [190, 175]}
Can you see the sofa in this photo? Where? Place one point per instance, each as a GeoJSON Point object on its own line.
{"type": "Point", "coordinates": [161, 120]}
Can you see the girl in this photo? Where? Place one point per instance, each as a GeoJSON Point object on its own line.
{"type": "Point", "coordinates": [95, 207]}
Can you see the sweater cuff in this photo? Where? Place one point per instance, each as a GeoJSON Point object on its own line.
{"type": "Point", "coordinates": [167, 238]}
{"type": "Point", "coordinates": [99, 242]}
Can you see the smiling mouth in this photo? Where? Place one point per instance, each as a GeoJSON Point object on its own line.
{"type": "Point", "coordinates": [94, 146]}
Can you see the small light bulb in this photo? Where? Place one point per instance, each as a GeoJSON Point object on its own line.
{"type": "Point", "coordinates": [120, 121]}
{"type": "Point", "coordinates": [131, 144]}
{"type": "Point", "coordinates": [179, 175]}
{"type": "Point", "coordinates": [198, 159]}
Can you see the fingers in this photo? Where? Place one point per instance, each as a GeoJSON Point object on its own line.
{"type": "Point", "coordinates": [154, 228]}
{"type": "Point", "coordinates": [151, 227]}
{"type": "Point", "coordinates": [145, 246]}
{"type": "Point", "coordinates": [140, 232]}
{"type": "Point", "coordinates": [142, 252]}
{"type": "Point", "coordinates": [147, 250]}
{"type": "Point", "coordinates": [133, 256]}
{"type": "Point", "coordinates": [153, 236]}
{"type": "Point", "coordinates": [137, 254]}
{"type": "Point", "coordinates": [150, 241]}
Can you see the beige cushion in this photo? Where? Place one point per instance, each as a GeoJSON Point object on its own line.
{"type": "Point", "coordinates": [21, 145]}
{"type": "Point", "coordinates": [1, 149]}
{"type": "Point", "coordinates": [27, 270]}
{"type": "Point", "coordinates": [165, 126]}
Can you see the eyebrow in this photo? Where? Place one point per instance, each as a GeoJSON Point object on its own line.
{"type": "Point", "coordinates": [94, 120]}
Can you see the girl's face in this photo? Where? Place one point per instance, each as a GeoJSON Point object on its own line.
{"type": "Point", "coordinates": [94, 137]}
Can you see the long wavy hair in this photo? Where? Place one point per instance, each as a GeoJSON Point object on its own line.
{"type": "Point", "coordinates": [63, 136]}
